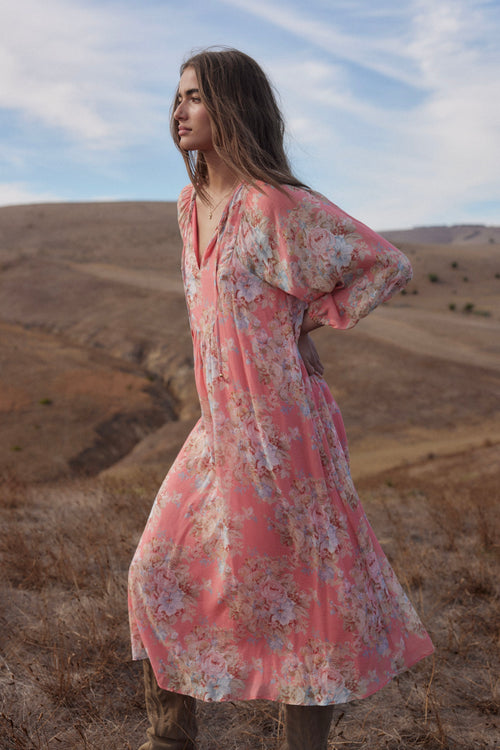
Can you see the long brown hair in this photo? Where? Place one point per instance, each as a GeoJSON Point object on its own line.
{"type": "Point", "coordinates": [247, 125]}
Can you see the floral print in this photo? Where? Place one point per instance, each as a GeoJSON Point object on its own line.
{"type": "Point", "coordinates": [258, 574]}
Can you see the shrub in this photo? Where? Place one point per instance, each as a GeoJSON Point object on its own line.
{"type": "Point", "coordinates": [433, 278]}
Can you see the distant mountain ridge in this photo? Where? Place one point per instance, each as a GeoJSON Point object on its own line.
{"type": "Point", "coordinates": [446, 235]}
{"type": "Point", "coordinates": [64, 216]}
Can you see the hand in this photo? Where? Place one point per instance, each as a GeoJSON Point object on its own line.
{"type": "Point", "coordinates": [308, 324]}
{"type": "Point", "coordinates": [310, 355]}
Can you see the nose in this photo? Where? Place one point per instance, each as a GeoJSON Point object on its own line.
{"type": "Point", "coordinates": [179, 112]}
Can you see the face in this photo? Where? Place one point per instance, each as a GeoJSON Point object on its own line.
{"type": "Point", "coordinates": [194, 127]}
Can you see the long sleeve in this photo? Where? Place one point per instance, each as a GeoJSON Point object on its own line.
{"type": "Point", "coordinates": [303, 244]}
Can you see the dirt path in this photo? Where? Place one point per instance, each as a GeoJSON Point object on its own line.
{"type": "Point", "coordinates": [456, 337]}
{"type": "Point", "coordinates": [467, 339]}
{"type": "Point", "coordinates": [414, 444]}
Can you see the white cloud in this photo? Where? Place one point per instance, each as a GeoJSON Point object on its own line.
{"type": "Point", "coordinates": [394, 106]}
{"type": "Point", "coordinates": [380, 54]}
{"type": "Point", "coordinates": [77, 69]}
{"type": "Point", "coordinates": [410, 166]}
{"type": "Point", "coordinates": [456, 128]}
{"type": "Point", "coordinates": [17, 193]}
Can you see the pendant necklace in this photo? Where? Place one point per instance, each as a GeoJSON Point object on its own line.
{"type": "Point", "coordinates": [214, 208]}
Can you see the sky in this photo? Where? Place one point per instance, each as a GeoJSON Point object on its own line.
{"type": "Point", "coordinates": [392, 106]}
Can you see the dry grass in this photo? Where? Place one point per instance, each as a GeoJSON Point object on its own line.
{"type": "Point", "coordinates": [66, 679]}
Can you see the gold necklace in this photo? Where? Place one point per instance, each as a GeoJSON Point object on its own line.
{"type": "Point", "coordinates": [214, 208]}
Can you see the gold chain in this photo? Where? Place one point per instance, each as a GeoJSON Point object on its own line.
{"type": "Point", "coordinates": [214, 208]}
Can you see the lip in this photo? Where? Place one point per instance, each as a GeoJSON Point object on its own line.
{"type": "Point", "coordinates": [183, 131]}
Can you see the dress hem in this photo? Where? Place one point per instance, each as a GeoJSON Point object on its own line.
{"type": "Point", "coordinates": [352, 699]}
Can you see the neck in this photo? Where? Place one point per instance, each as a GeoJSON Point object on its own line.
{"type": "Point", "coordinates": [220, 177]}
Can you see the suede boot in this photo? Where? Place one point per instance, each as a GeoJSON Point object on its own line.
{"type": "Point", "coordinates": [172, 716]}
{"type": "Point", "coordinates": [307, 727]}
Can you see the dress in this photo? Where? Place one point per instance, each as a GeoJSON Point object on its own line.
{"type": "Point", "coordinates": [258, 574]}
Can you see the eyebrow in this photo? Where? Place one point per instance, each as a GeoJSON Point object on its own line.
{"type": "Point", "coordinates": [189, 92]}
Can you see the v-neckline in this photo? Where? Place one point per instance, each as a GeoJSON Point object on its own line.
{"type": "Point", "coordinates": [198, 256]}
{"type": "Point", "coordinates": [201, 258]}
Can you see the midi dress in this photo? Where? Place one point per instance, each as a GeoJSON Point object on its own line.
{"type": "Point", "coordinates": [258, 574]}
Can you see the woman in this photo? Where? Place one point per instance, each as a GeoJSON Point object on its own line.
{"type": "Point", "coordinates": [258, 575]}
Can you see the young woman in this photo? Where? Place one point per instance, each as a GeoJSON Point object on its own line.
{"type": "Point", "coordinates": [258, 574]}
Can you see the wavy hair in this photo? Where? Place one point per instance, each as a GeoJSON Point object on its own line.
{"type": "Point", "coordinates": [247, 124]}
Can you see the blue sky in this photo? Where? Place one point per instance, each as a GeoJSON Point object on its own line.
{"type": "Point", "coordinates": [393, 106]}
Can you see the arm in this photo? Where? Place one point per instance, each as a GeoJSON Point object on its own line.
{"type": "Point", "coordinates": [308, 324]}
{"type": "Point", "coordinates": [305, 245]}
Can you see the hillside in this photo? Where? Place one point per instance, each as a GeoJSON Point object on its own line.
{"type": "Point", "coordinates": [445, 235]}
{"type": "Point", "coordinates": [95, 351]}
{"type": "Point", "coordinates": [97, 395]}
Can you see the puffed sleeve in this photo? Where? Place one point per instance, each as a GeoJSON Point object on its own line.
{"type": "Point", "coordinates": [184, 208]}
{"type": "Point", "coordinates": [302, 243]}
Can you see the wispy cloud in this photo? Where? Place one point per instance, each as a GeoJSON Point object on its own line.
{"type": "Point", "coordinates": [393, 107]}
{"type": "Point", "coordinates": [382, 54]}
{"type": "Point", "coordinates": [427, 160]}
{"type": "Point", "coordinates": [78, 69]}
{"type": "Point", "coordinates": [13, 194]}
{"type": "Point", "coordinates": [455, 129]}
{"type": "Point", "coordinates": [460, 67]}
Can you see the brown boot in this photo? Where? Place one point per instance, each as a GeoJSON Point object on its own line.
{"type": "Point", "coordinates": [307, 727]}
{"type": "Point", "coordinates": [172, 716]}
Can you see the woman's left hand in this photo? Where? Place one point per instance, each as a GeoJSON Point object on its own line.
{"type": "Point", "coordinates": [310, 356]}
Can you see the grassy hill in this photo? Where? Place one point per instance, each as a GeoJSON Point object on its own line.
{"type": "Point", "coordinates": [97, 395]}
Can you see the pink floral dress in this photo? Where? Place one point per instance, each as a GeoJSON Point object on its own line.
{"type": "Point", "coordinates": [258, 574]}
